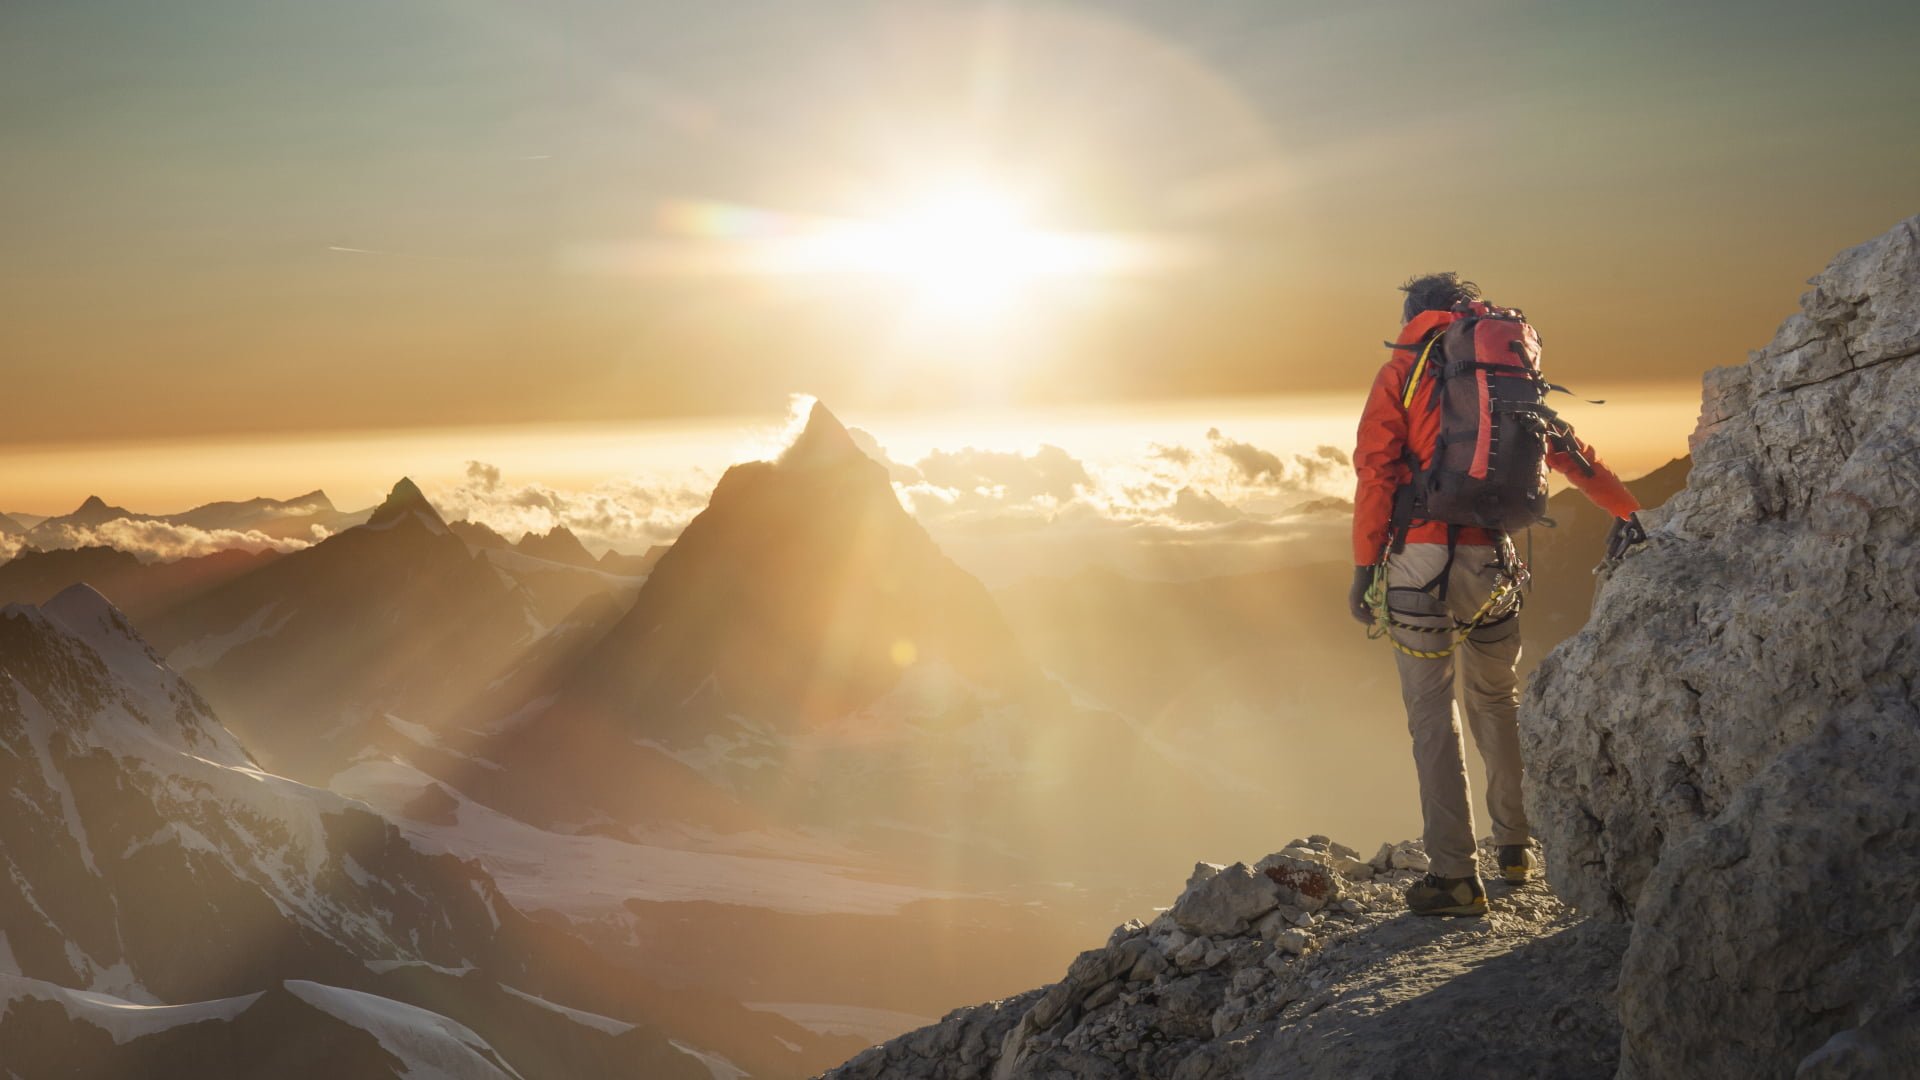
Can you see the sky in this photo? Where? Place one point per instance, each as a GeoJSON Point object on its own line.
{"type": "Point", "coordinates": [241, 223]}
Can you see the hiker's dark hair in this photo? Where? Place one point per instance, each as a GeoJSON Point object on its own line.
{"type": "Point", "coordinates": [1435, 292]}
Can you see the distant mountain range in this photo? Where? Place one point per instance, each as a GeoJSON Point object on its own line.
{"type": "Point", "coordinates": [801, 726]}
{"type": "Point", "coordinates": [304, 517]}
{"type": "Point", "coordinates": [296, 518]}
{"type": "Point", "coordinates": [151, 860]}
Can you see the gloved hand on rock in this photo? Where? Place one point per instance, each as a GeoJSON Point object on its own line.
{"type": "Point", "coordinates": [1625, 533]}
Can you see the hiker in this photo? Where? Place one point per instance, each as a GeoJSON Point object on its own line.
{"type": "Point", "coordinates": [1452, 451]}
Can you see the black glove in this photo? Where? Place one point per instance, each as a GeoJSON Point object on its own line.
{"type": "Point", "coordinates": [1357, 596]}
{"type": "Point", "coordinates": [1626, 532]}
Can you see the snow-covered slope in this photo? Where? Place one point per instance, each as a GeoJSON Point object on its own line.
{"type": "Point", "coordinates": [151, 860]}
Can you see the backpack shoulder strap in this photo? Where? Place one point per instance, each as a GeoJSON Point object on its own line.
{"type": "Point", "coordinates": [1419, 368]}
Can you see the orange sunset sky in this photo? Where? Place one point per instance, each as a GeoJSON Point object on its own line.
{"type": "Point", "coordinates": [258, 249]}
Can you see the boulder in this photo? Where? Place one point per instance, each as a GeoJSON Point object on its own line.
{"type": "Point", "coordinates": [1225, 901]}
{"type": "Point", "coordinates": [1305, 884]}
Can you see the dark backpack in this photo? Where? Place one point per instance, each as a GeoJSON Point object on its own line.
{"type": "Point", "coordinates": [1488, 466]}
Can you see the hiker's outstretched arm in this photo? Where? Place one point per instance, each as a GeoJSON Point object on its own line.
{"type": "Point", "coordinates": [1600, 485]}
{"type": "Point", "coordinates": [1378, 458]}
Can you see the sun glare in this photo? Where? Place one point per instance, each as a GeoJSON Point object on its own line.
{"type": "Point", "coordinates": [963, 249]}
{"type": "Point", "coordinates": [967, 250]}
{"type": "Point", "coordinates": [959, 249]}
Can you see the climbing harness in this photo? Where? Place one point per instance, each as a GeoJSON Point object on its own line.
{"type": "Point", "coordinates": [1501, 604]}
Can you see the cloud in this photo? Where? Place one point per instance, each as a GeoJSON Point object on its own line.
{"type": "Point", "coordinates": [1178, 455]}
{"type": "Point", "coordinates": [1203, 507]}
{"type": "Point", "coordinates": [1049, 471]}
{"type": "Point", "coordinates": [1252, 462]}
{"type": "Point", "coordinates": [1253, 465]}
{"type": "Point", "coordinates": [151, 541]}
{"type": "Point", "coordinates": [485, 476]}
{"type": "Point", "coordinates": [627, 514]}
{"type": "Point", "coordinates": [1222, 505]}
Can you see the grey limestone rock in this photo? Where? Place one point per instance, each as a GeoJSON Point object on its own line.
{"type": "Point", "coordinates": [1226, 901]}
{"type": "Point", "coordinates": [1373, 993]}
{"type": "Point", "coordinates": [1728, 756]}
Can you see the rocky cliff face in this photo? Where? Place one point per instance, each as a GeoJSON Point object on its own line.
{"type": "Point", "coordinates": [1729, 755]}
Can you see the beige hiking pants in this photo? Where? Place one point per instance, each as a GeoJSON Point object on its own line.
{"type": "Point", "coordinates": [1490, 688]}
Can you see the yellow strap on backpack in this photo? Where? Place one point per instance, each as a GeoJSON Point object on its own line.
{"type": "Point", "coordinates": [1413, 380]}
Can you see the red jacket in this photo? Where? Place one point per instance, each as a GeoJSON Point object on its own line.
{"type": "Point", "coordinates": [1387, 429]}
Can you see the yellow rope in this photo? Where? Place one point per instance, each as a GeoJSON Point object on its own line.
{"type": "Point", "coordinates": [1384, 622]}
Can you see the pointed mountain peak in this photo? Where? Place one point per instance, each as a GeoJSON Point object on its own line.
{"type": "Point", "coordinates": [558, 544]}
{"type": "Point", "coordinates": [403, 502]}
{"type": "Point", "coordinates": [406, 491]}
{"type": "Point", "coordinates": [82, 604]}
{"type": "Point", "coordinates": [823, 441]}
{"type": "Point", "coordinates": [315, 499]}
{"type": "Point", "coordinates": [82, 611]}
{"type": "Point", "coordinates": [95, 511]}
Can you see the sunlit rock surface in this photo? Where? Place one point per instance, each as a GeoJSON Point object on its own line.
{"type": "Point", "coordinates": [1729, 754]}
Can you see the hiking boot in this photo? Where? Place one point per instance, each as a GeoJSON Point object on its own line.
{"type": "Point", "coordinates": [1436, 895]}
{"type": "Point", "coordinates": [1516, 863]}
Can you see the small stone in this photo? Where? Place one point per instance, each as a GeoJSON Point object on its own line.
{"type": "Point", "coordinates": [1214, 956]}
{"type": "Point", "coordinates": [1349, 867]}
{"type": "Point", "coordinates": [1294, 942]}
{"type": "Point", "coordinates": [1411, 858]}
{"type": "Point", "coordinates": [1192, 953]}
{"type": "Point", "coordinates": [1352, 906]}
{"type": "Point", "coordinates": [1271, 923]}
{"type": "Point", "coordinates": [1344, 850]}
{"type": "Point", "coordinates": [1151, 963]}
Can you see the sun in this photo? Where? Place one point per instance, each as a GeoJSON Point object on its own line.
{"type": "Point", "coordinates": [960, 249]}
{"type": "Point", "coordinates": [964, 254]}
{"type": "Point", "coordinates": [968, 250]}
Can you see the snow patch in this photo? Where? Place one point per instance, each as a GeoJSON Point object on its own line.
{"type": "Point", "coordinates": [429, 1046]}
{"type": "Point", "coordinates": [593, 1020]}
{"type": "Point", "coordinates": [718, 1067]}
{"type": "Point", "coordinates": [382, 967]}
{"type": "Point", "coordinates": [121, 1019]}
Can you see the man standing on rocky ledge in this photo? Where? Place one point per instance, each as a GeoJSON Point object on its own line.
{"type": "Point", "coordinates": [1439, 574]}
